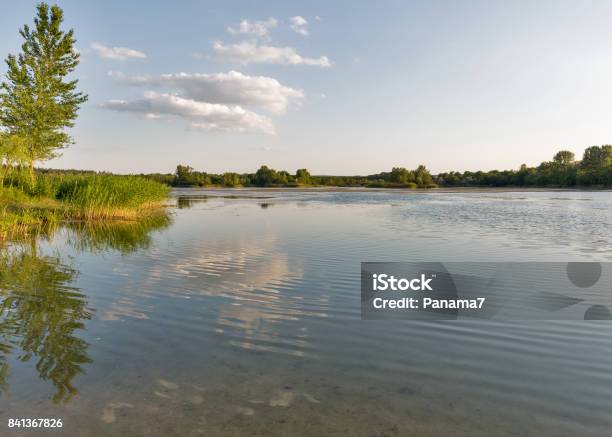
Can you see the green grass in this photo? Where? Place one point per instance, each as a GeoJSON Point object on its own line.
{"type": "Point", "coordinates": [108, 196]}
{"type": "Point", "coordinates": [52, 199]}
{"type": "Point", "coordinates": [20, 213]}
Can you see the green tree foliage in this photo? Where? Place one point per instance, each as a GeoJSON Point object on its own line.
{"type": "Point", "coordinates": [302, 176]}
{"type": "Point", "coordinates": [231, 179]}
{"type": "Point", "coordinates": [563, 170]}
{"type": "Point", "coordinates": [399, 175]}
{"type": "Point", "coordinates": [265, 176]}
{"type": "Point", "coordinates": [595, 169]}
{"type": "Point", "coordinates": [596, 166]}
{"type": "Point", "coordinates": [597, 157]}
{"type": "Point", "coordinates": [422, 177]}
{"type": "Point", "coordinates": [283, 177]}
{"type": "Point", "coordinates": [12, 153]}
{"type": "Point", "coordinates": [185, 176]}
{"type": "Point", "coordinates": [564, 158]}
{"type": "Point", "coordinates": [37, 102]}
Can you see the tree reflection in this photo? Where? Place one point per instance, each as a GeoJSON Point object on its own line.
{"type": "Point", "coordinates": [5, 349]}
{"type": "Point", "coordinates": [41, 315]}
{"type": "Point", "coordinates": [42, 312]}
{"type": "Point", "coordinates": [183, 202]}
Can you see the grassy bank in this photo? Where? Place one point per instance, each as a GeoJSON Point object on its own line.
{"type": "Point", "coordinates": [52, 199]}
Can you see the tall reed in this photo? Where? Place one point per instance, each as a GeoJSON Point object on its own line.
{"type": "Point", "coordinates": [51, 199]}
{"type": "Point", "coordinates": [109, 196]}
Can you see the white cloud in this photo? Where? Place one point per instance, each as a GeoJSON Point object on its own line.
{"type": "Point", "coordinates": [257, 28]}
{"type": "Point", "coordinates": [116, 53]}
{"type": "Point", "coordinates": [227, 88]}
{"type": "Point", "coordinates": [299, 25]}
{"type": "Point", "coordinates": [248, 52]}
{"type": "Point", "coordinates": [201, 115]}
{"type": "Point", "coordinates": [125, 79]}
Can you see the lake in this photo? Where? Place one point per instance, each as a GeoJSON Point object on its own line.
{"type": "Point", "coordinates": [238, 313]}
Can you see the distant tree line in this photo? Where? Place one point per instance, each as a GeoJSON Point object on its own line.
{"type": "Point", "coordinates": [186, 176]}
{"type": "Point", "coordinates": [594, 170]}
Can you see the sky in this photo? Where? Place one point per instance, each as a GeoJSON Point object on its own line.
{"type": "Point", "coordinates": [338, 87]}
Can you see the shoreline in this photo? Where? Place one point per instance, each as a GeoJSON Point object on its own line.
{"type": "Point", "coordinates": [324, 189]}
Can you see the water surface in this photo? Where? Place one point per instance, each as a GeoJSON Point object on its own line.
{"type": "Point", "coordinates": [239, 315]}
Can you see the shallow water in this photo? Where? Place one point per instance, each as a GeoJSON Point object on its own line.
{"type": "Point", "coordinates": [240, 316]}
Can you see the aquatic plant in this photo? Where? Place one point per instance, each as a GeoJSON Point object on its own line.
{"type": "Point", "coordinates": [109, 196]}
{"type": "Point", "coordinates": [52, 199]}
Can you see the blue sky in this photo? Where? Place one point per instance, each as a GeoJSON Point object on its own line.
{"type": "Point", "coordinates": [337, 87]}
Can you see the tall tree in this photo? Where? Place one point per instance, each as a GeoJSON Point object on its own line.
{"type": "Point", "coordinates": [422, 176]}
{"type": "Point", "coordinates": [302, 176]}
{"type": "Point", "coordinates": [265, 176]}
{"type": "Point", "coordinates": [401, 175]}
{"type": "Point", "coordinates": [37, 101]}
{"type": "Point", "coordinates": [564, 158]}
{"type": "Point", "coordinates": [596, 156]}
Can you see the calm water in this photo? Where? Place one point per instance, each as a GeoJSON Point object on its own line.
{"type": "Point", "coordinates": [239, 315]}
